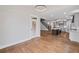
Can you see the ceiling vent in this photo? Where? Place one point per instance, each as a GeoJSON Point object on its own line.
{"type": "Point", "coordinates": [40, 8]}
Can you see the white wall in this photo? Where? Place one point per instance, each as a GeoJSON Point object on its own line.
{"type": "Point", "coordinates": [74, 35]}
{"type": "Point", "coordinates": [77, 20]}
{"type": "Point", "coordinates": [15, 25]}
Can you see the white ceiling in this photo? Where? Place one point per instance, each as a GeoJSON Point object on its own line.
{"type": "Point", "coordinates": [56, 11]}
{"type": "Point", "coordinates": [52, 12]}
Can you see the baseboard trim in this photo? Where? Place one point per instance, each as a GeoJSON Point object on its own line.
{"type": "Point", "coordinates": [5, 46]}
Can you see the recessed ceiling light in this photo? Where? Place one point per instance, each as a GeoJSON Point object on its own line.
{"type": "Point", "coordinates": [40, 8]}
{"type": "Point", "coordinates": [64, 12]}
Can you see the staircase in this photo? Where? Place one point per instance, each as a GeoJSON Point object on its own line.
{"type": "Point", "coordinates": [45, 24]}
{"type": "Point", "coordinates": [48, 26]}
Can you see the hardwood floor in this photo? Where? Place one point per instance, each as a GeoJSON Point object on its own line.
{"type": "Point", "coordinates": [47, 43]}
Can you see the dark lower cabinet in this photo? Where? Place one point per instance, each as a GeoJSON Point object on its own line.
{"type": "Point", "coordinates": [56, 31]}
